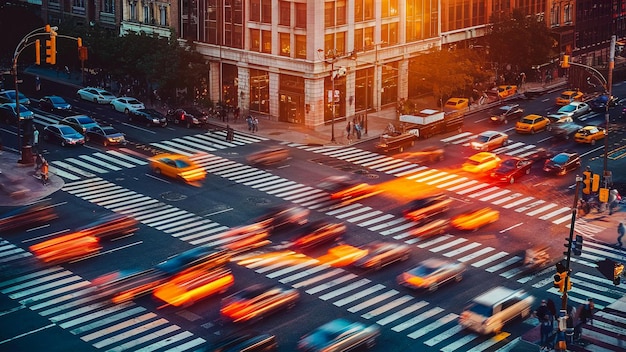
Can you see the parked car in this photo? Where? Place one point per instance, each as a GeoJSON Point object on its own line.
{"type": "Point", "coordinates": [8, 113]}
{"type": "Point", "coordinates": [80, 123]}
{"type": "Point", "coordinates": [317, 233]}
{"type": "Point", "coordinates": [456, 104]}
{"type": "Point", "coordinates": [257, 301]}
{"type": "Point", "coordinates": [569, 96]}
{"type": "Point", "coordinates": [148, 117]}
{"type": "Point", "coordinates": [481, 162]}
{"type": "Point", "coordinates": [511, 169]}
{"type": "Point", "coordinates": [96, 95]}
{"type": "Point", "coordinates": [491, 310]}
{"type": "Point", "coordinates": [590, 134]}
{"type": "Point", "coordinates": [507, 113]}
{"type": "Point", "coordinates": [574, 110]}
{"type": "Point", "coordinates": [599, 103]}
{"type": "Point", "coordinates": [531, 124]}
{"type": "Point", "coordinates": [562, 163]}
{"type": "Point", "coordinates": [476, 219]}
{"type": "Point", "coordinates": [421, 209]}
{"type": "Point", "coordinates": [126, 104]}
{"type": "Point", "coordinates": [177, 166]}
{"type": "Point", "coordinates": [381, 253]}
{"type": "Point", "coordinates": [339, 335]}
{"type": "Point", "coordinates": [8, 96]}
{"type": "Point", "coordinates": [489, 140]}
{"type": "Point", "coordinates": [65, 135]}
{"type": "Point", "coordinates": [105, 135]}
{"type": "Point", "coordinates": [431, 273]}
{"type": "Point", "coordinates": [54, 103]}
{"type": "Point", "coordinates": [189, 117]}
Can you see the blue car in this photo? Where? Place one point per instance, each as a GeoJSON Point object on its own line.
{"type": "Point", "coordinates": [8, 113]}
{"type": "Point", "coordinates": [599, 104]}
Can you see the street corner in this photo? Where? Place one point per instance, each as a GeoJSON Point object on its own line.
{"type": "Point", "coordinates": [25, 187]}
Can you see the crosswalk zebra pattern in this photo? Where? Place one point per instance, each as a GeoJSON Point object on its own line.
{"type": "Point", "coordinates": [72, 303]}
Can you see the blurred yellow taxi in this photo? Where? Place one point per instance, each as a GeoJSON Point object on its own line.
{"type": "Point", "coordinates": [177, 166]}
{"type": "Point", "coordinates": [185, 289]}
{"type": "Point", "coordinates": [65, 248]}
{"type": "Point", "coordinates": [589, 134]}
{"type": "Point", "coordinates": [504, 91]}
{"type": "Point", "coordinates": [481, 162]}
{"type": "Point", "coordinates": [531, 124]}
{"type": "Point", "coordinates": [474, 220]}
{"type": "Point", "coordinates": [569, 96]}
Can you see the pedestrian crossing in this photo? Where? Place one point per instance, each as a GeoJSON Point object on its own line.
{"type": "Point", "coordinates": [72, 303]}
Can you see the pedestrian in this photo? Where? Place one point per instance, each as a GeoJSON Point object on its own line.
{"type": "Point", "coordinates": [349, 129]}
{"type": "Point", "coordinates": [37, 83]}
{"type": "Point", "coordinates": [44, 172]}
{"type": "Point", "coordinates": [255, 124]}
{"type": "Point", "coordinates": [547, 327]}
{"type": "Point", "coordinates": [67, 71]}
{"type": "Point", "coordinates": [236, 114]}
{"type": "Point", "coordinates": [36, 139]}
{"type": "Point", "coordinates": [614, 199]}
{"type": "Point", "coordinates": [586, 312]}
{"type": "Point", "coordinates": [230, 133]}
{"type": "Point", "coordinates": [552, 308]}
{"type": "Point", "coordinates": [543, 310]}
{"type": "Point", "coordinates": [249, 121]}
{"type": "Point", "coordinates": [38, 161]}
{"type": "Point", "coordinates": [621, 229]}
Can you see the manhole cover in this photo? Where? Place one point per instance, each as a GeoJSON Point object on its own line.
{"type": "Point", "coordinates": [258, 200]}
{"type": "Point", "coordinates": [361, 172]}
{"type": "Point", "coordinates": [173, 196]}
{"type": "Point", "coordinates": [371, 176]}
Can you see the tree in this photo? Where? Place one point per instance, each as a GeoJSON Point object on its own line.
{"type": "Point", "coordinates": [449, 72]}
{"type": "Point", "coordinates": [518, 41]}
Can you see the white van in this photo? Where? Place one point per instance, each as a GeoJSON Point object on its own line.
{"type": "Point", "coordinates": [489, 312]}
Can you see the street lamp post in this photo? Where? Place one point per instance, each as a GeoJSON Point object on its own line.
{"type": "Point", "coordinates": [332, 55]}
{"type": "Point", "coordinates": [569, 247]}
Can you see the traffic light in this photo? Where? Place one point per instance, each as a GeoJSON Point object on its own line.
{"type": "Point", "coordinates": [595, 183]}
{"type": "Point", "coordinates": [587, 182]}
{"type": "Point", "coordinates": [559, 281]}
{"type": "Point", "coordinates": [565, 62]}
{"type": "Point", "coordinates": [51, 50]}
{"type": "Point", "coordinates": [79, 40]}
{"type": "Point", "coordinates": [577, 246]}
{"type": "Point", "coordinates": [618, 270]}
{"type": "Point", "coordinates": [37, 52]}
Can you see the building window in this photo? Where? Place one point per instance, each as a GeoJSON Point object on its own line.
{"type": "Point", "coordinates": [259, 91]}
{"type": "Point", "coordinates": [163, 15]}
{"type": "Point", "coordinates": [300, 47]}
{"type": "Point", "coordinates": [335, 13]}
{"type": "Point", "coordinates": [363, 10]}
{"type": "Point", "coordinates": [567, 12]}
{"type": "Point", "coordinates": [108, 6]}
{"type": "Point", "coordinates": [364, 38]}
{"type": "Point", "coordinates": [341, 13]}
{"type": "Point", "coordinates": [389, 85]}
{"type": "Point", "coordinates": [147, 13]}
{"type": "Point", "coordinates": [390, 8]}
{"type": "Point", "coordinates": [255, 10]}
{"type": "Point", "coordinates": [389, 33]}
{"type": "Point", "coordinates": [336, 42]}
{"type": "Point", "coordinates": [266, 11]}
{"type": "Point", "coordinates": [285, 44]}
{"type": "Point", "coordinates": [266, 41]}
{"type": "Point", "coordinates": [285, 13]}
{"type": "Point", "coordinates": [255, 40]}
{"type": "Point", "coordinates": [132, 11]}
{"type": "Point", "coordinates": [300, 15]}
{"type": "Point", "coordinates": [79, 3]}
{"type": "Point", "coordinates": [421, 19]}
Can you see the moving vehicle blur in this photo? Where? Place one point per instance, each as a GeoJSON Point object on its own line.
{"type": "Point", "coordinates": [257, 301]}
{"type": "Point", "coordinates": [268, 156]}
{"type": "Point", "coordinates": [421, 209]}
{"type": "Point", "coordinates": [511, 169]}
{"type": "Point", "coordinates": [66, 248]}
{"type": "Point", "coordinates": [342, 255]}
{"type": "Point", "coordinates": [590, 134]}
{"type": "Point", "coordinates": [562, 163]}
{"type": "Point", "coordinates": [531, 124]}
{"type": "Point", "coordinates": [339, 335]}
{"type": "Point", "coordinates": [380, 254]}
{"type": "Point", "coordinates": [489, 140]}
{"type": "Point", "coordinates": [599, 103]}
{"type": "Point", "coordinates": [507, 113]}
{"type": "Point", "coordinates": [481, 162]}
{"type": "Point", "coordinates": [564, 131]}
{"type": "Point", "coordinates": [432, 273]}
{"type": "Point", "coordinates": [490, 311]}
{"type": "Point", "coordinates": [536, 257]}
{"type": "Point", "coordinates": [177, 166]}
{"type": "Point", "coordinates": [27, 216]}
{"type": "Point", "coordinates": [427, 155]}
{"type": "Point", "coordinates": [432, 228]}
{"type": "Point", "coordinates": [474, 220]}
{"type": "Point", "coordinates": [284, 216]}
{"type": "Point", "coordinates": [247, 341]}
{"type": "Point", "coordinates": [317, 233]}
{"type": "Point", "coordinates": [54, 103]}
{"type": "Point", "coordinates": [112, 225]}
{"type": "Point", "coordinates": [569, 96]}
{"type": "Point", "coordinates": [105, 135]}
{"type": "Point", "coordinates": [184, 289]}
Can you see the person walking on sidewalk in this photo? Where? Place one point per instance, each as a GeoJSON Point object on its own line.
{"type": "Point", "coordinates": [546, 329]}
{"type": "Point", "coordinates": [44, 172]}
{"type": "Point", "coordinates": [255, 124]}
{"type": "Point", "coordinates": [621, 230]}
{"type": "Point", "coordinates": [36, 139]}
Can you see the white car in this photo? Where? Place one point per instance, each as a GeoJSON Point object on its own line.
{"type": "Point", "coordinates": [573, 110]}
{"type": "Point", "coordinates": [126, 104]}
{"type": "Point", "coordinates": [96, 95]}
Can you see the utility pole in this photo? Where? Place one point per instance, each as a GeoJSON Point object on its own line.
{"type": "Point", "coordinates": [607, 174]}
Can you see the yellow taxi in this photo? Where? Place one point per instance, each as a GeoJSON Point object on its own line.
{"type": "Point", "coordinates": [185, 289]}
{"type": "Point", "coordinates": [589, 134]}
{"type": "Point", "coordinates": [531, 124]}
{"type": "Point", "coordinates": [506, 91]}
{"type": "Point", "coordinates": [481, 162]}
{"type": "Point", "coordinates": [177, 166]}
{"type": "Point", "coordinates": [65, 248]}
{"type": "Point", "coordinates": [456, 104]}
{"type": "Point", "coordinates": [569, 96]}
{"type": "Point", "coordinates": [474, 220]}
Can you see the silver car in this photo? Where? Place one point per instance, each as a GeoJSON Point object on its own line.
{"type": "Point", "coordinates": [339, 335]}
{"type": "Point", "coordinates": [489, 140]}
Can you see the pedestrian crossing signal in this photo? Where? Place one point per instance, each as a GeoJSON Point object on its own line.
{"type": "Point", "coordinates": [577, 246]}
{"type": "Point", "coordinates": [559, 281]}
{"type": "Point", "coordinates": [587, 182]}
{"type": "Point", "coordinates": [618, 270]}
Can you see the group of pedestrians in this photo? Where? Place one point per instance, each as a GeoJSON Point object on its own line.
{"type": "Point", "coordinates": [354, 129]}
{"type": "Point", "coordinates": [552, 338]}
{"type": "Point", "coordinates": [253, 123]}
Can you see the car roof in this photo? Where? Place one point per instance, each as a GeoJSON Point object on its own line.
{"type": "Point", "coordinates": [490, 133]}
{"type": "Point", "coordinates": [496, 294]}
{"type": "Point", "coordinates": [482, 156]}
{"type": "Point", "coordinates": [532, 116]}
{"type": "Point", "coordinates": [576, 103]}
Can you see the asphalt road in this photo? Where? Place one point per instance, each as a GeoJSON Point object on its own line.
{"type": "Point", "coordinates": [60, 312]}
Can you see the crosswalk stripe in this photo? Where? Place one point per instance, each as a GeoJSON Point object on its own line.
{"type": "Point", "coordinates": [417, 319]}
{"type": "Point", "coordinates": [112, 160]}
{"type": "Point", "coordinates": [489, 259]}
{"type": "Point", "coordinates": [517, 202]}
{"type": "Point", "coordinates": [344, 289]}
{"type": "Point", "coordinates": [448, 245]}
{"type": "Point", "coordinates": [541, 210]}
{"type": "Point", "coordinates": [433, 326]}
{"type": "Point", "coordinates": [99, 162]}
{"type": "Point", "coordinates": [138, 341]}
{"type": "Point", "coordinates": [387, 307]}
{"type": "Point", "coordinates": [401, 313]}
{"type": "Point", "coordinates": [459, 343]}
{"type": "Point", "coordinates": [355, 296]}
{"type": "Point", "coordinates": [318, 278]}
{"type": "Point", "coordinates": [473, 188]}
{"type": "Point", "coordinates": [462, 249]}
{"type": "Point", "coordinates": [466, 184]}
{"type": "Point", "coordinates": [446, 334]}
{"type": "Point", "coordinates": [372, 301]}
{"type": "Point", "coordinates": [329, 284]}
{"type": "Point", "coordinates": [503, 264]}
{"type": "Point", "coordinates": [476, 254]}
{"type": "Point", "coordinates": [71, 168]}
{"type": "Point", "coordinates": [485, 191]}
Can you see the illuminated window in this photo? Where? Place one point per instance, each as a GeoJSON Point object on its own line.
{"type": "Point", "coordinates": [389, 33]}
{"type": "Point", "coordinates": [300, 47]}
{"type": "Point", "coordinates": [568, 13]}
{"type": "Point", "coordinates": [266, 41]}
{"type": "Point", "coordinates": [364, 38]}
{"type": "Point", "coordinates": [255, 40]}
{"type": "Point", "coordinates": [285, 13]}
{"type": "Point", "coordinates": [285, 44]}
{"type": "Point", "coordinates": [421, 19]}
{"type": "Point", "coordinates": [390, 8]}
{"type": "Point", "coordinates": [363, 10]}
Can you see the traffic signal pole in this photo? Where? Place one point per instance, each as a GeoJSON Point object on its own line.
{"type": "Point", "coordinates": [569, 245]}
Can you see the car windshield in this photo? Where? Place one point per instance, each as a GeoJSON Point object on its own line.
{"type": "Point", "coordinates": [422, 271]}
{"type": "Point", "coordinates": [508, 165]}
{"type": "Point", "coordinates": [527, 121]}
{"type": "Point", "coordinates": [180, 163]}
{"type": "Point", "coordinates": [567, 108]}
{"type": "Point", "coordinates": [482, 138]}
{"type": "Point", "coordinates": [109, 130]}
{"type": "Point", "coordinates": [472, 162]}
{"type": "Point", "coordinates": [481, 310]}
{"type": "Point", "coordinates": [66, 130]}
{"type": "Point", "coordinates": [560, 159]}
{"type": "Point", "coordinates": [106, 94]}
{"type": "Point", "coordinates": [566, 95]}
{"type": "Point", "coordinates": [57, 100]}
{"type": "Point", "coordinates": [134, 102]}
{"type": "Point", "coordinates": [84, 120]}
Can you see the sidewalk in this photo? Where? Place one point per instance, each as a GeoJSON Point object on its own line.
{"type": "Point", "coordinates": [19, 185]}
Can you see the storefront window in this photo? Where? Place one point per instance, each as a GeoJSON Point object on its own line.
{"type": "Point", "coordinates": [291, 99]}
{"type": "Point", "coordinates": [389, 86]}
{"type": "Point", "coordinates": [259, 91]}
{"type": "Point", "coordinates": [363, 90]}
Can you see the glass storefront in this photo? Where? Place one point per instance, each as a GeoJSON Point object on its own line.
{"type": "Point", "coordinates": [259, 91]}
{"type": "Point", "coordinates": [389, 86]}
{"type": "Point", "coordinates": [229, 85]}
{"type": "Point", "coordinates": [364, 89]}
{"type": "Point", "coordinates": [291, 99]}
{"type": "Point", "coordinates": [340, 101]}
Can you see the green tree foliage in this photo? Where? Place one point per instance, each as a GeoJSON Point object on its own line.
{"type": "Point", "coordinates": [519, 40]}
{"type": "Point", "coordinates": [448, 73]}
